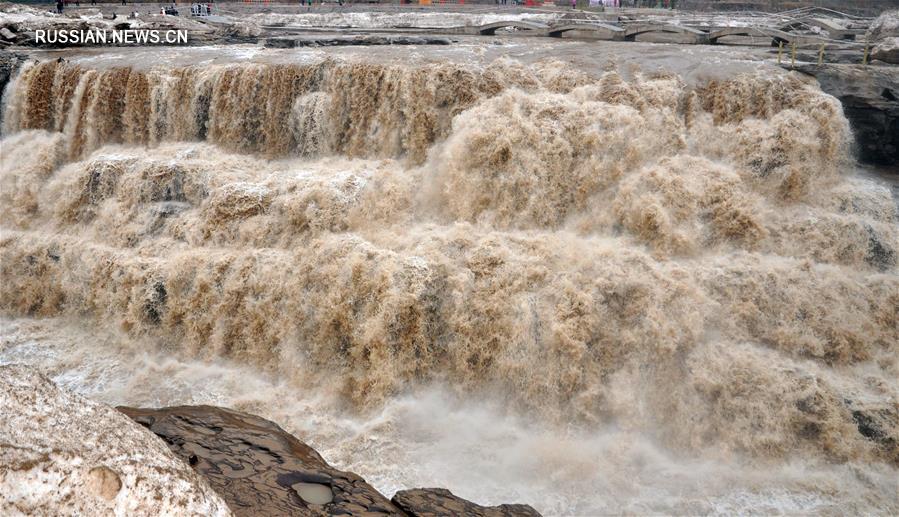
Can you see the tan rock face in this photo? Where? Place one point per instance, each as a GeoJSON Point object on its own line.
{"type": "Point", "coordinates": [886, 25]}
{"type": "Point", "coordinates": [887, 50]}
{"type": "Point", "coordinates": [63, 454]}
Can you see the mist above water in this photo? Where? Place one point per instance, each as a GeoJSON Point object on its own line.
{"type": "Point", "coordinates": [663, 297]}
{"type": "Point", "coordinates": [433, 438]}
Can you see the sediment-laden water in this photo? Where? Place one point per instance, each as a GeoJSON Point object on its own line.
{"type": "Point", "coordinates": [532, 283]}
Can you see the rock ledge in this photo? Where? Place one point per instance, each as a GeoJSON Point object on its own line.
{"type": "Point", "coordinates": [260, 469]}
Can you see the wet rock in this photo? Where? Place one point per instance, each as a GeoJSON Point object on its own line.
{"type": "Point", "coordinates": [434, 502]}
{"type": "Point", "coordinates": [61, 454]}
{"type": "Point", "coordinates": [260, 469]}
{"type": "Point", "coordinates": [241, 32]}
{"type": "Point", "coordinates": [162, 211]}
{"type": "Point", "coordinates": [9, 64]}
{"type": "Point", "coordinates": [881, 426]}
{"type": "Point", "coordinates": [880, 254]}
{"type": "Point", "coordinates": [257, 467]}
{"type": "Point", "coordinates": [155, 303]}
{"type": "Point", "coordinates": [870, 98]}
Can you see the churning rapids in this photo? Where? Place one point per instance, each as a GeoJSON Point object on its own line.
{"type": "Point", "coordinates": [592, 293]}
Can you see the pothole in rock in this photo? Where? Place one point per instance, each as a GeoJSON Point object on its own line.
{"type": "Point", "coordinates": [103, 482]}
{"type": "Point", "coordinates": [313, 493]}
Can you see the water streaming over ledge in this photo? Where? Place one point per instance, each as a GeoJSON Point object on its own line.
{"type": "Point", "coordinates": [696, 266]}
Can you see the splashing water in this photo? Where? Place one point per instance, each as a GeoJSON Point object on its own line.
{"type": "Point", "coordinates": [665, 297]}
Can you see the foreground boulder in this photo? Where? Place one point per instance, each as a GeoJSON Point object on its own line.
{"type": "Point", "coordinates": [61, 454]}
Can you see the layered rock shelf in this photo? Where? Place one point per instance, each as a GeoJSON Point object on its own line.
{"type": "Point", "coordinates": [260, 469]}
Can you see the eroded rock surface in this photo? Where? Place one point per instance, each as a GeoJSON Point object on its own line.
{"type": "Point", "coordinates": [435, 502]}
{"type": "Point", "coordinates": [61, 454]}
{"type": "Point", "coordinates": [9, 64]}
{"type": "Point", "coordinates": [257, 467]}
{"type": "Point", "coordinates": [260, 469]}
{"type": "Point", "coordinates": [870, 98]}
{"type": "Point", "coordinates": [883, 35]}
{"type": "Point", "coordinates": [886, 25]}
{"type": "Point", "coordinates": [887, 50]}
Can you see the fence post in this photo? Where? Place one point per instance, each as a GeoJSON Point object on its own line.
{"type": "Point", "coordinates": [780, 51]}
{"type": "Point", "coordinates": [821, 55]}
